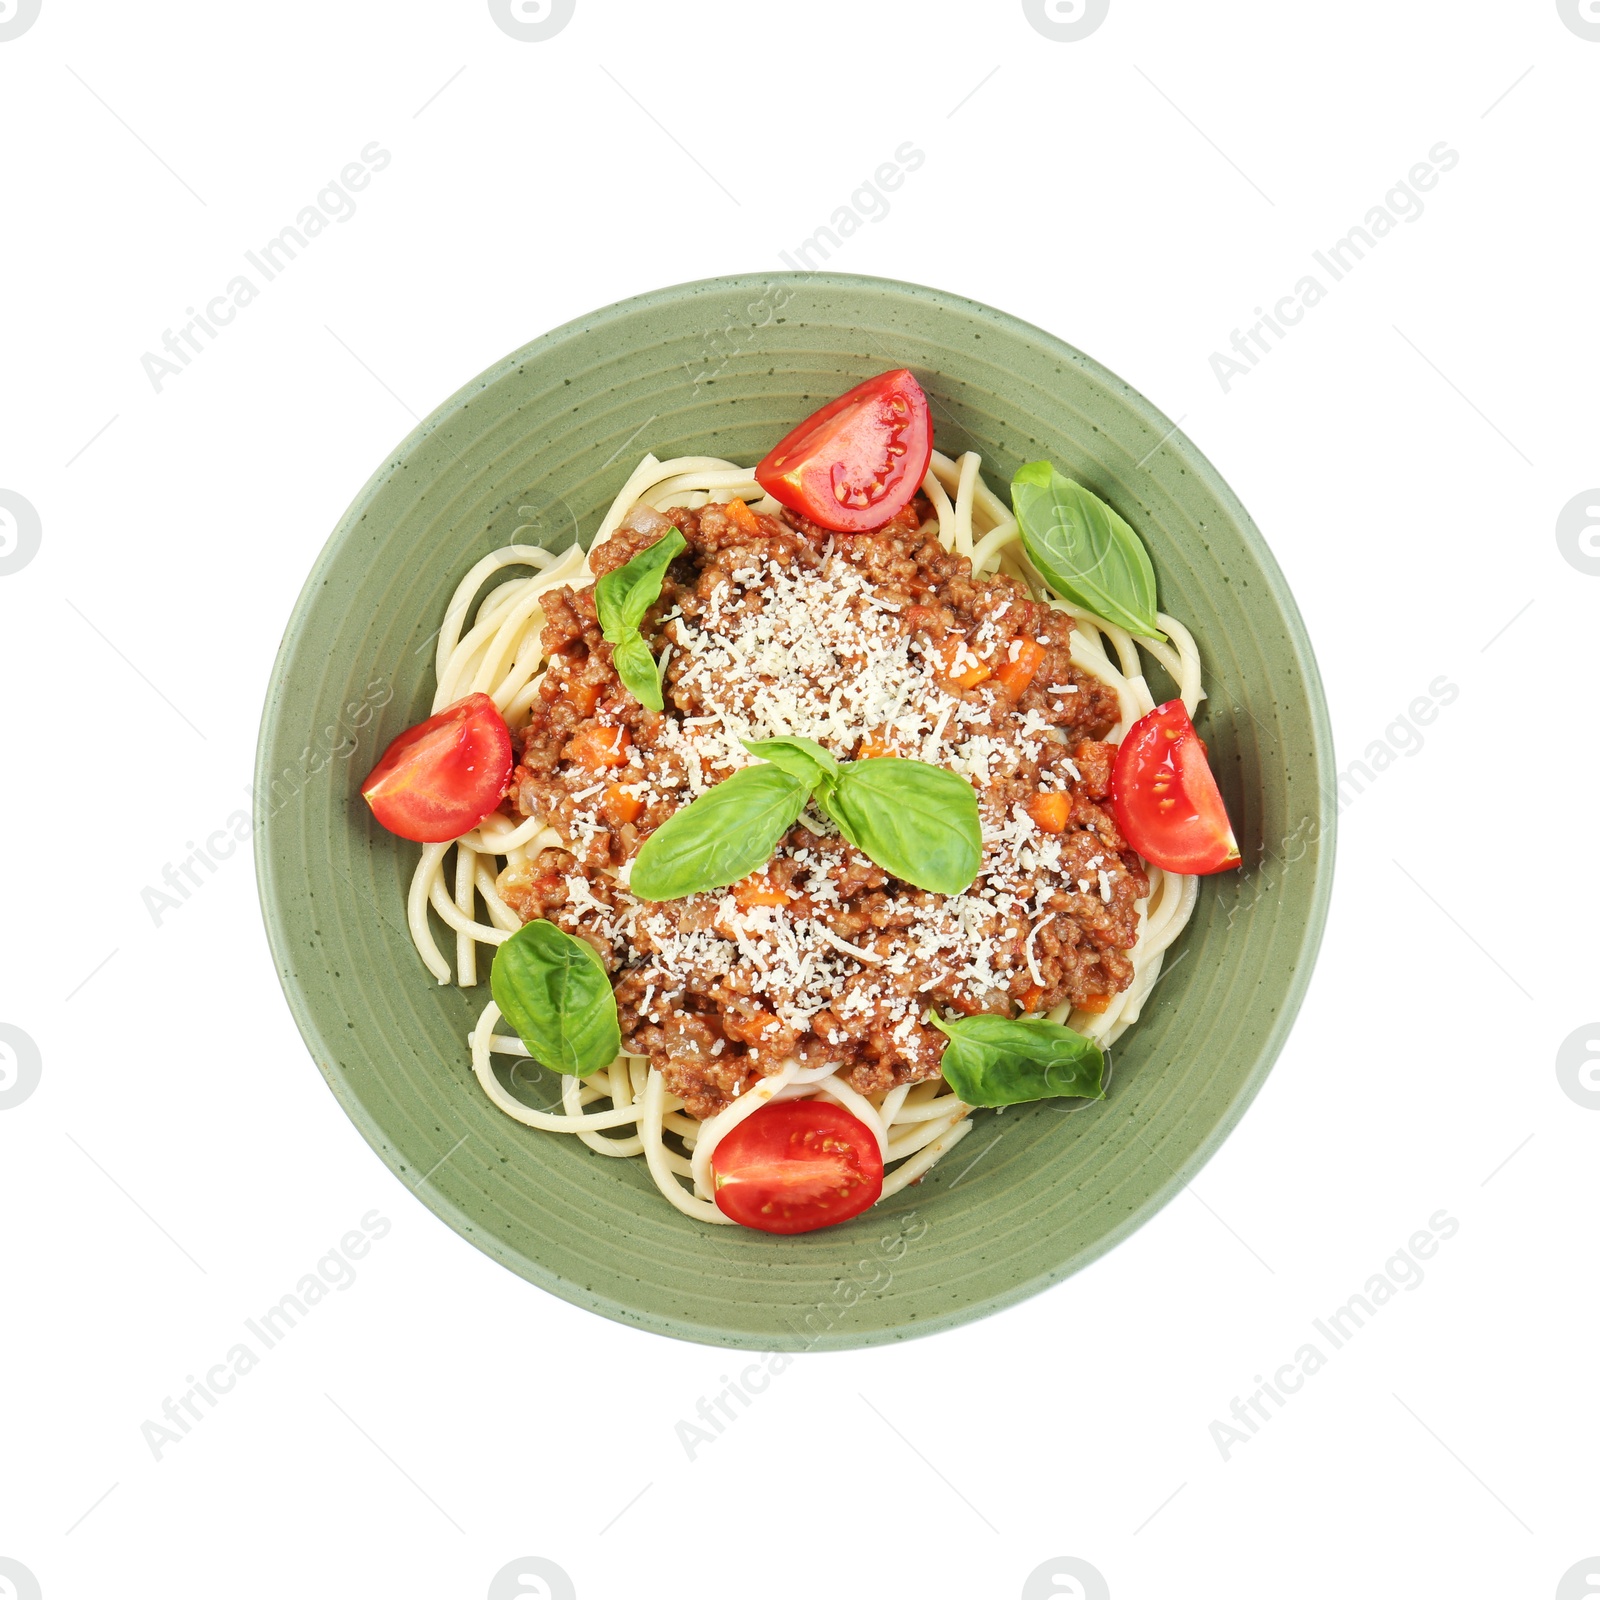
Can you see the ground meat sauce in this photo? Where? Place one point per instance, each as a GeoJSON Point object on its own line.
{"type": "Point", "coordinates": [861, 642]}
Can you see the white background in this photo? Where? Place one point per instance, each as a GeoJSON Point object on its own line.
{"type": "Point", "coordinates": [1406, 450]}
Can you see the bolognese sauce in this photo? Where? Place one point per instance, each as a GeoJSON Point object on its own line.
{"type": "Point", "coordinates": [875, 644]}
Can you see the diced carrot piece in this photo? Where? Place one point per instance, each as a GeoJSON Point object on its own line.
{"type": "Point", "coordinates": [1016, 673]}
{"type": "Point", "coordinates": [758, 890]}
{"type": "Point", "coordinates": [595, 746]}
{"type": "Point", "coordinates": [1050, 810]}
{"type": "Point", "coordinates": [960, 667]}
{"type": "Point", "coordinates": [742, 517]}
{"type": "Point", "coordinates": [876, 743]}
{"type": "Point", "coordinates": [620, 806]}
{"type": "Point", "coordinates": [750, 1030]}
{"type": "Point", "coordinates": [581, 696]}
{"type": "Point", "coordinates": [1030, 998]}
{"type": "Point", "coordinates": [1095, 1002]}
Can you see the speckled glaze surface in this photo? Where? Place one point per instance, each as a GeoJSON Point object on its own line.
{"type": "Point", "coordinates": [725, 367]}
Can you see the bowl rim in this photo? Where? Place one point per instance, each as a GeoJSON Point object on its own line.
{"type": "Point", "coordinates": [1199, 466]}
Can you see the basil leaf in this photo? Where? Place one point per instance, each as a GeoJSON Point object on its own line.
{"type": "Point", "coordinates": [1004, 1061]}
{"type": "Point", "coordinates": [1084, 550]}
{"type": "Point", "coordinates": [917, 821]}
{"type": "Point", "coordinates": [622, 597]}
{"type": "Point", "coordinates": [637, 669]}
{"type": "Point", "coordinates": [554, 990]}
{"type": "Point", "coordinates": [805, 758]}
{"type": "Point", "coordinates": [725, 835]}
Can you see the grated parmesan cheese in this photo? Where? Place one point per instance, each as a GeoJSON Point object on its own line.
{"type": "Point", "coordinates": [780, 648]}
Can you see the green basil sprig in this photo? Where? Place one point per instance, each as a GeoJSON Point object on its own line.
{"type": "Point", "coordinates": [621, 598]}
{"type": "Point", "coordinates": [804, 758]}
{"type": "Point", "coordinates": [916, 821]}
{"type": "Point", "coordinates": [1004, 1061]}
{"type": "Point", "coordinates": [725, 835]}
{"type": "Point", "coordinates": [554, 990]}
{"type": "Point", "coordinates": [1083, 549]}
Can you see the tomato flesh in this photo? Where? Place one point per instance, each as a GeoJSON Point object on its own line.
{"type": "Point", "coordinates": [852, 465]}
{"type": "Point", "coordinates": [1165, 799]}
{"type": "Point", "coordinates": [797, 1165]}
{"type": "Point", "coordinates": [441, 778]}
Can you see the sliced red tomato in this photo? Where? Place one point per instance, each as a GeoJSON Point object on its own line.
{"type": "Point", "coordinates": [858, 460]}
{"type": "Point", "coordinates": [1165, 799]}
{"type": "Point", "coordinates": [797, 1165]}
{"type": "Point", "coordinates": [441, 778]}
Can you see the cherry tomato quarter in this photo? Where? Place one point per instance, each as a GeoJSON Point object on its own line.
{"type": "Point", "coordinates": [1165, 799]}
{"type": "Point", "coordinates": [441, 778]}
{"type": "Point", "coordinates": [852, 465]}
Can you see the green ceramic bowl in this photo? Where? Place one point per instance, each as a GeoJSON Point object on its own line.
{"type": "Point", "coordinates": [547, 436]}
